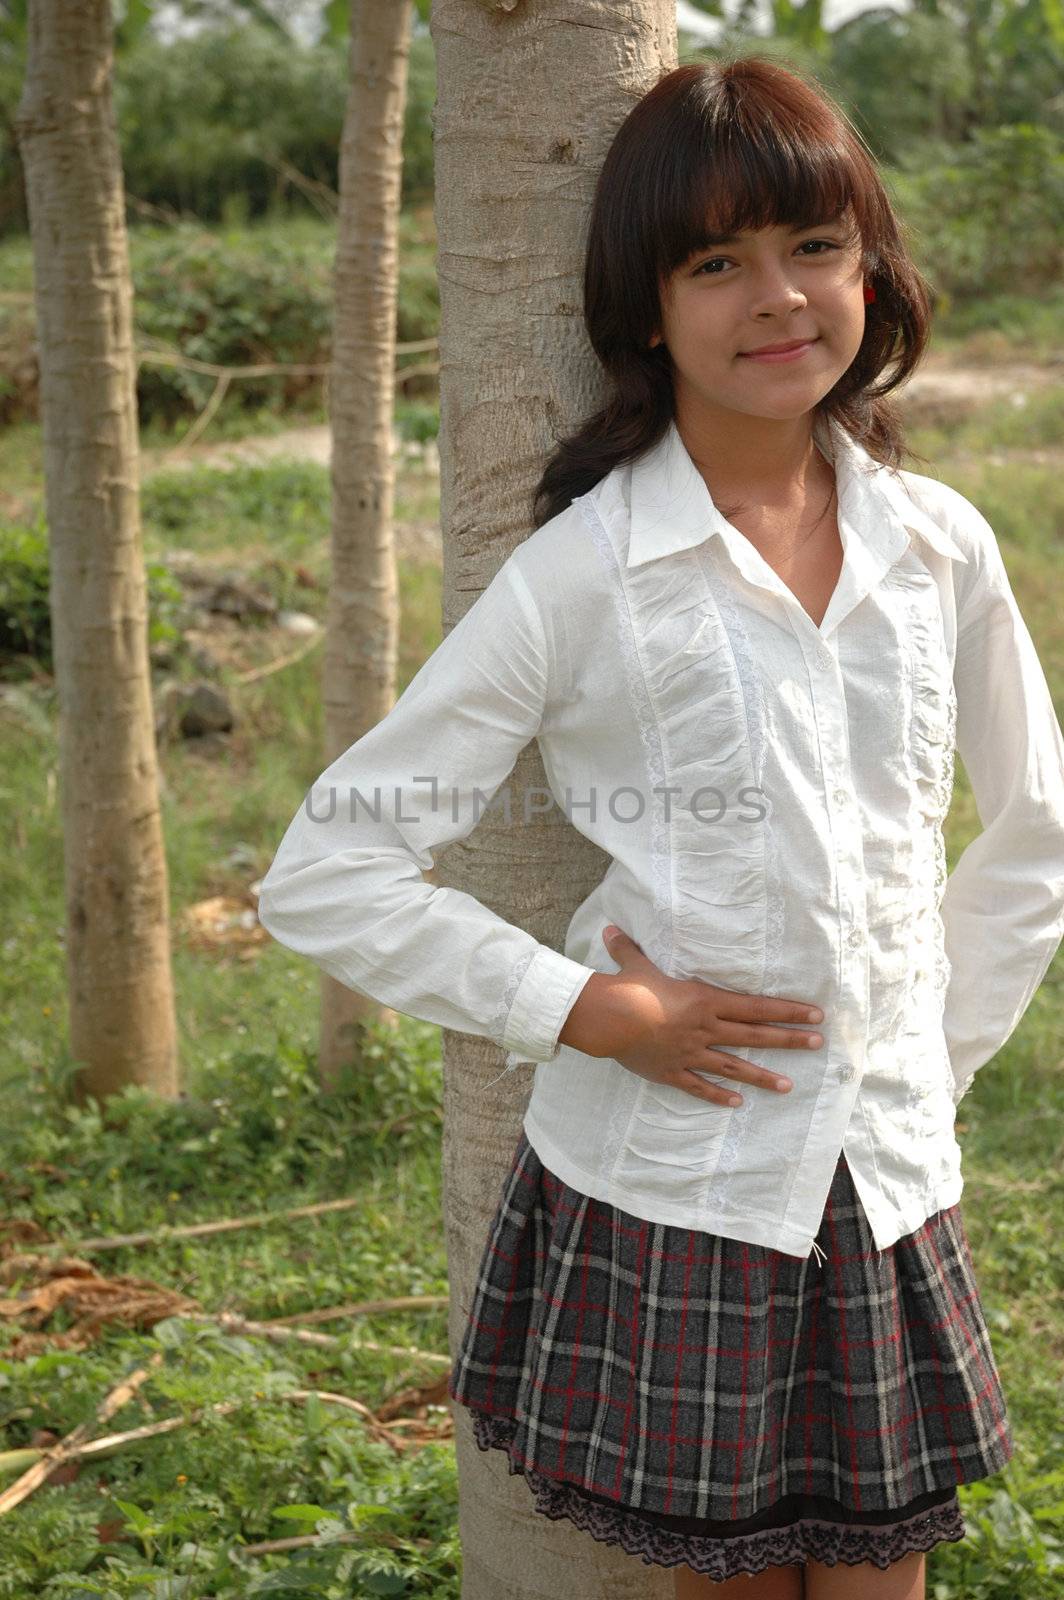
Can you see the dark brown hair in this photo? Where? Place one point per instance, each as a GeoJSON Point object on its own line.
{"type": "Point", "coordinates": [712, 149]}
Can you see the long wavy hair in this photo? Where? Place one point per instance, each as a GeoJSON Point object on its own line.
{"type": "Point", "coordinates": [712, 149]}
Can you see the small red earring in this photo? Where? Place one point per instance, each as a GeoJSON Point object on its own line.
{"type": "Point", "coordinates": [869, 294]}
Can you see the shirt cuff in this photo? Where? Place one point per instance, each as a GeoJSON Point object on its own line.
{"type": "Point", "coordinates": [545, 996]}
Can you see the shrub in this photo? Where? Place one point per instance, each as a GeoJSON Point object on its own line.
{"type": "Point", "coordinates": [955, 199]}
{"type": "Point", "coordinates": [25, 616]}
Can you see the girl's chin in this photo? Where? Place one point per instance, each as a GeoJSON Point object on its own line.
{"type": "Point", "coordinates": [773, 393]}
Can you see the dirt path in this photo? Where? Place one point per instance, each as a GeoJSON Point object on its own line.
{"type": "Point", "coordinates": [937, 381]}
{"type": "Point", "coordinates": [299, 444]}
{"type": "Point", "coordinates": [968, 386]}
{"type": "Point", "coordinates": [938, 385]}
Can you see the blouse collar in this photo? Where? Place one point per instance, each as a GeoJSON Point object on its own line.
{"type": "Point", "coordinates": [672, 508]}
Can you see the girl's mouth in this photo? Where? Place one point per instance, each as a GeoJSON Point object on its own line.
{"type": "Point", "coordinates": [792, 352]}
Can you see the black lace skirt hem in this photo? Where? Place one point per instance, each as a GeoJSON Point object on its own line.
{"type": "Point", "coordinates": [808, 1537]}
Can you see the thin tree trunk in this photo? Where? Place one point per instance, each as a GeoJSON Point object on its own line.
{"type": "Point", "coordinates": [122, 1024]}
{"type": "Point", "coordinates": [362, 643]}
{"type": "Point", "coordinates": [529, 94]}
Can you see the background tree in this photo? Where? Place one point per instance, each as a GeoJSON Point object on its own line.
{"type": "Point", "coordinates": [122, 1023]}
{"type": "Point", "coordinates": [528, 98]}
{"type": "Point", "coordinates": [362, 638]}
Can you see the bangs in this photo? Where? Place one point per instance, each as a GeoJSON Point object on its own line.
{"type": "Point", "coordinates": [747, 171]}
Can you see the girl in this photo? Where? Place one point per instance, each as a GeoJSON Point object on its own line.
{"type": "Point", "coordinates": [726, 1316]}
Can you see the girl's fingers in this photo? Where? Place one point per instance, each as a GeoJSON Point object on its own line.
{"type": "Point", "coordinates": [712, 1092]}
{"type": "Point", "coordinates": [748, 1071]}
{"type": "Point", "coordinates": [763, 1008]}
{"type": "Point", "coordinates": [764, 1037]}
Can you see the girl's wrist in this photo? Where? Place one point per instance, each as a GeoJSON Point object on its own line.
{"type": "Point", "coordinates": [599, 1023]}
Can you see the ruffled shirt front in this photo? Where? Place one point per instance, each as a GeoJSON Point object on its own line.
{"type": "Point", "coordinates": [771, 796]}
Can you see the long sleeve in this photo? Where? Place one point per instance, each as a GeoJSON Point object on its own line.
{"type": "Point", "coordinates": [346, 887]}
{"type": "Point", "coordinates": [1003, 906]}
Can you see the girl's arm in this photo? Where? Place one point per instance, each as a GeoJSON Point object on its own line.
{"type": "Point", "coordinates": [346, 888]}
{"type": "Point", "coordinates": [1003, 906]}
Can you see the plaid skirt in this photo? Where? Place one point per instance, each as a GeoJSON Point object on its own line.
{"type": "Point", "coordinates": [696, 1399]}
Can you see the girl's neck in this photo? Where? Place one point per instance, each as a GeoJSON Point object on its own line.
{"type": "Point", "coordinates": [770, 461]}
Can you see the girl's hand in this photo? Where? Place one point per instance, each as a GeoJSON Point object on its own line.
{"type": "Point", "coordinates": [665, 1028]}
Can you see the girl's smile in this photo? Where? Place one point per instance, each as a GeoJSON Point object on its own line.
{"type": "Point", "coordinates": [779, 352]}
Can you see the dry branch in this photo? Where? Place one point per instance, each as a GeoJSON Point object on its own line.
{"type": "Point", "coordinates": [264, 369]}
{"type": "Point", "coordinates": [199, 1230]}
{"type": "Point", "coordinates": [298, 1541]}
{"type": "Point", "coordinates": [280, 1331]}
{"type": "Point", "coordinates": [224, 375]}
{"type": "Point", "coordinates": [271, 667]}
{"type": "Point", "coordinates": [233, 1324]}
{"type": "Point", "coordinates": [70, 1447]}
{"type": "Point", "coordinates": [302, 1541]}
{"type": "Point", "coordinates": [76, 1447]}
{"type": "Point", "coordinates": [363, 1308]}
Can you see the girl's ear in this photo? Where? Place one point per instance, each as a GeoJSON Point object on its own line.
{"type": "Point", "coordinates": [655, 338]}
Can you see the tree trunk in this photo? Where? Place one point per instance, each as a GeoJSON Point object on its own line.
{"type": "Point", "coordinates": [122, 1024]}
{"type": "Point", "coordinates": [362, 640]}
{"type": "Point", "coordinates": [529, 94]}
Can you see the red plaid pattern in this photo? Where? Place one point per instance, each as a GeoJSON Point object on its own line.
{"type": "Point", "coordinates": [686, 1375]}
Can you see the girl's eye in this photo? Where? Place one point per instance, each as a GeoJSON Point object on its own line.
{"type": "Point", "coordinates": [828, 244]}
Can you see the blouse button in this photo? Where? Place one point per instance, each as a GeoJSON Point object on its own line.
{"type": "Point", "coordinates": [847, 1074]}
{"type": "Point", "coordinates": [841, 797]}
{"type": "Point", "coordinates": [855, 938]}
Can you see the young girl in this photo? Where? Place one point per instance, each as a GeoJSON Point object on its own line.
{"type": "Point", "coordinates": [726, 1315]}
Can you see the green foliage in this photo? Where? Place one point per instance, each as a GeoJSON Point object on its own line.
{"type": "Point", "coordinates": [283, 506]}
{"type": "Point", "coordinates": [175, 1512]}
{"type": "Point", "coordinates": [265, 1125]}
{"type": "Point", "coordinates": [195, 1499]}
{"type": "Point", "coordinates": [25, 614]}
{"type": "Point", "coordinates": [25, 621]}
{"type": "Point", "coordinates": [236, 121]}
{"type": "Point", "coordinates": [1005, 327]}
{"type": "Point", "coordinates": [213, 115]}
{"type": "Point", "coordinates": [243, 296]}
{"type": "Point", "coordinates": [955, 199]}
{"type": "Point", "coordinates": [418, 421]}
{"type": "Point", "coordinates": [1007, 1550]}
{"type": "Point", "coordinates": [927, 54]}
{"type": "Point", "coordinates": [229, 300]}
{"type": "Point", "coordinates": [1028, 420]}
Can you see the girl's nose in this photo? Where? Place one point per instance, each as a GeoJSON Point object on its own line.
{"type": "Point", "coordinates": [776, 295]}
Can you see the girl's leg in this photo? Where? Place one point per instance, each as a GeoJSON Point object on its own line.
{"type": "Point", "coordinates": [775, 1583]}
{"type": "Point", "coordinates": [902, 1580]}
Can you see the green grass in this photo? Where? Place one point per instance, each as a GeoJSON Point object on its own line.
{"type": "Point", "coordinates": [1002, 327]}
{"type": "Point", "coordinates": [252, 1133]}
{"type": "Point", "coordinates": [1034, 422]}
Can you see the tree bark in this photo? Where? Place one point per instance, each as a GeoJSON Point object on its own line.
{"type": "Point", "coordinates": [121, 1006]}
{"type": "Point", "coordinates": [362, 638]}
{"type": "Point", "coordinates": [529, 94]}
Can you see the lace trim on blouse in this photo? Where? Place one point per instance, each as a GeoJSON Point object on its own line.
{"type": "Point", "coordinates": [756, 723]}
{"type": "Point", "coordinates": [498, 1024]}
{"type": "Point", "coordinates": [649, 732]}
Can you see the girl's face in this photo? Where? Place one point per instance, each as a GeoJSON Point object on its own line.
{"type": "Point", "coordinates": [768, 286]}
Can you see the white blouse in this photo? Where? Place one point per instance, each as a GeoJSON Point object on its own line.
{"type": "Point", "coordinates": [771, 794]}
